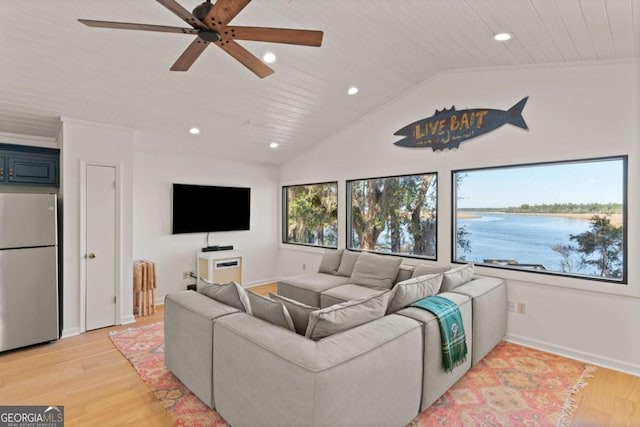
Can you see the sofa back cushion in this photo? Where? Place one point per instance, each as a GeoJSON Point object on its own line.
{"type": "Point", "coordinates": [270, 311]}
{"type": "Point", "coordinates": [426, 269]}
{"type": "Point", "coordinates": [231, 294]}
{"type": "Point", "coordinates": [456, 276]}
{"type": "Point", "coordinates": [347, 262]}
{"type": "Point", "coordinates": [409, 291]}
{"type": "Point", "coordinates": [405, 272]}
{"type": "Point", "coordinates": [340, 317]}
{"type": "Point", "coordinates": [375, 271]}
{"type": "Point", "coordinates": [330, 261]}
{"type": "Point", "coordinates": [298, 311]}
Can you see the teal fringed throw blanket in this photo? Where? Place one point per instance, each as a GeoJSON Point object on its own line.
{"type": "Point", "coordinates": [454, 345]}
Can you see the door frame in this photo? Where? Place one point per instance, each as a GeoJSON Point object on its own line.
{"type": "Point", "coordinates": [83, 236]}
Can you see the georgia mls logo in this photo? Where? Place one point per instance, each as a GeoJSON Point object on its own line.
{"type": "Point", "coordinates": [31, 416]}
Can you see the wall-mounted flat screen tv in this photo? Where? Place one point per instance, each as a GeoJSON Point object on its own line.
{"type": "Point", "coordinates": [204, 208]}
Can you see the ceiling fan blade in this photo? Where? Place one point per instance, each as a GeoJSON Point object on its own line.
{"type": "Point", "coordinates": [277, 35]}
{"type": "Point", "coordinates": [183, 13]}
{"type": "Point", "coordinates": [247, 59]}
{"type": "Point", "coordinates": [190, 55]}
{"type": "Point", "coordinates": [142, 27]}
{"type": "Point", "coordinates": [224, 11]}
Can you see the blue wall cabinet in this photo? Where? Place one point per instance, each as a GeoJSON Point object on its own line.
{"type": "Point", "coordinates": [25, 165]}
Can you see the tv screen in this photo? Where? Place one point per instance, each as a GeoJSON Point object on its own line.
{"type": "Point", "coordinates": [203, 208]}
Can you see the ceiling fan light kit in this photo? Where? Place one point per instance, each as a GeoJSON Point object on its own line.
{"type": "Point", "coordinates": [209, 23]}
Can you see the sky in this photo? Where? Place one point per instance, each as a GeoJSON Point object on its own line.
{"type": "Point", "coordinates": [584, 182]}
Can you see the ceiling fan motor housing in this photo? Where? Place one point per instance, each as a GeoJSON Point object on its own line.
{"type": "Point", "coordinates": [202, 10]}
{"type": "Point", "coordinates": [209, 36]}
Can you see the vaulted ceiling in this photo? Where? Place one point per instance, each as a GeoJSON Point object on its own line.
{"type": "Point", "coordinates": [53, 66]}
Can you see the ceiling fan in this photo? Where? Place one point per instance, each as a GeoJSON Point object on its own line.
{"type": "Point", "coordinates": [209, 23]}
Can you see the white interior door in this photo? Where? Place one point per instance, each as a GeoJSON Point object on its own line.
{"type": "Point", "coordinates": [100, 257]}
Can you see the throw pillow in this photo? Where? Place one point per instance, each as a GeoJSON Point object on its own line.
{"type": "Point", "coordinates": [347, 262]}
{"type": "Point", "coordinates": [330, 261]}
{"type": "Point", "coordinates": [456, 276]}
{"type": "Point", "coordinates": [298, 311]}
{"type": "Point", "coordinates": [425, 269]}
{"type": "Point", "coordinates": [270, 311]}
{"type": "Point", "coordinates": [340, 317]}
{"type": "Point", "coordinates": [375, 271]}
{"type": "Point", "coordinates": [412, 290]}
{"type": "Point", "coordinates": [231, 294]}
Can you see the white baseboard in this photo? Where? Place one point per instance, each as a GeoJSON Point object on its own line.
{"type": "Point", "coordinates": [606, 362]}
{"type": "Point", "coordinates": [70, 332]}
{"type": "Point", "coordinates": [127, 319]}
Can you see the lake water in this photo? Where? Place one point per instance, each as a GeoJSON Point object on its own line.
{"type": "Point", "coordinates": [526, 239]}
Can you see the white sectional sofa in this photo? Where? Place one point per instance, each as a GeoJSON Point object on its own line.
{"type": "Point", "coordinates": [382, 372]}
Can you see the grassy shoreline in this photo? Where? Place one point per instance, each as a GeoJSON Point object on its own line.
{"type": "Point", "coordinates": [615, 219]}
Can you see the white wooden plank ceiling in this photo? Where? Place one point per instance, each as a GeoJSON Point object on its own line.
{"type": "Point", "coordinates": [53, 66]}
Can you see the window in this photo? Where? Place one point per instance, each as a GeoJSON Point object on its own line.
{"type": "Point", "coordinates": [394, 215]}
{"type": "Point", "coordinates": [311, 214]}
{"type": "Point", "coordinates": [562, 218]}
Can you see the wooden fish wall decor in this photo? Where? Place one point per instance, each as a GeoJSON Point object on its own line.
{"type": "Point", "coordinates": [448, 128]}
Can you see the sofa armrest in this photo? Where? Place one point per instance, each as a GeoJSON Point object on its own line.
{"type": "Point", "coordinates": [489, 299]}
{"type": "Point", "coordinates": [287, 379]}
{"type": "Point", "coordinates": [436, 381]}
{"type": "Point", "coordinates": [478, 286]}
{"type": "Point", "coordinates": [188, 338]}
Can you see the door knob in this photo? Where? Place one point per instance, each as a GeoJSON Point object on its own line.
{"type": "Point", "coordinates": [91, 255]}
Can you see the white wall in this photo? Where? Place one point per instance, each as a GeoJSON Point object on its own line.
{"type": "Point", "coordinates": [573, 112]}
{"type": "Point", "coordinates": [155, 171]}
{"type": "Point", "coordinates": [91, 142]}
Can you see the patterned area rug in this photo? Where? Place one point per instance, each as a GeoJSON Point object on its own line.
{"type": "Point", "coordinates": [511, 386]}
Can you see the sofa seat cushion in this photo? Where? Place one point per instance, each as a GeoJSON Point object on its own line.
{"type": "Point", "coordinates": [375, 271]}
{"type": "Point", "coordinates": [348, 292]}
{"type": "Point", "coordinates": [307, 288]}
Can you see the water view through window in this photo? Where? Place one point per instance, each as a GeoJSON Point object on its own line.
{"type": "Point", "coordinates": [565, 218]}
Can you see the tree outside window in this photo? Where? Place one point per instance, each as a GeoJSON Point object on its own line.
{"type": "Point", "coordinates": [311, 214]}
{"type": "Point", "coordinates": [394, 215]}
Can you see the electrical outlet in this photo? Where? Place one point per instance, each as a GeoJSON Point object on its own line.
{"type": "Point", "coordinates": [522, 308]}
{"type": "Point", "coordinates": [186, 274]}
{"type": "Point", "coordinates": [511, 306]}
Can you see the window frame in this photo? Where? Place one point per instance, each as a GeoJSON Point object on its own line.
{"type": "Point", "coordinates": [625, 183]}
{"type": "Point", "coordinates": [285, 215]}
{"type": "Point", "coordinates": [348, 227]}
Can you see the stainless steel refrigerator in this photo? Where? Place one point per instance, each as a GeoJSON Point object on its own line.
{"type": "Point", "coordinates": [28, 269]}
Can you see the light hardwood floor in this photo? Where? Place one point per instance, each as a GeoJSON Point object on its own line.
{"type": "Point", "coordinates": [98, 386]}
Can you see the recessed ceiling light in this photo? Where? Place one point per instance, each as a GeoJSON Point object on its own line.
{"type": "Point", "coordinates": [269, 57]}
{"type": "Point", "coordinates": [502, 37]}
{"type": "Point", "coordinates": [352, 90]}
{"type": "Point", "coordinates": [194, 131]}
{"type": "Point", "coordinates": [274, 145]}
